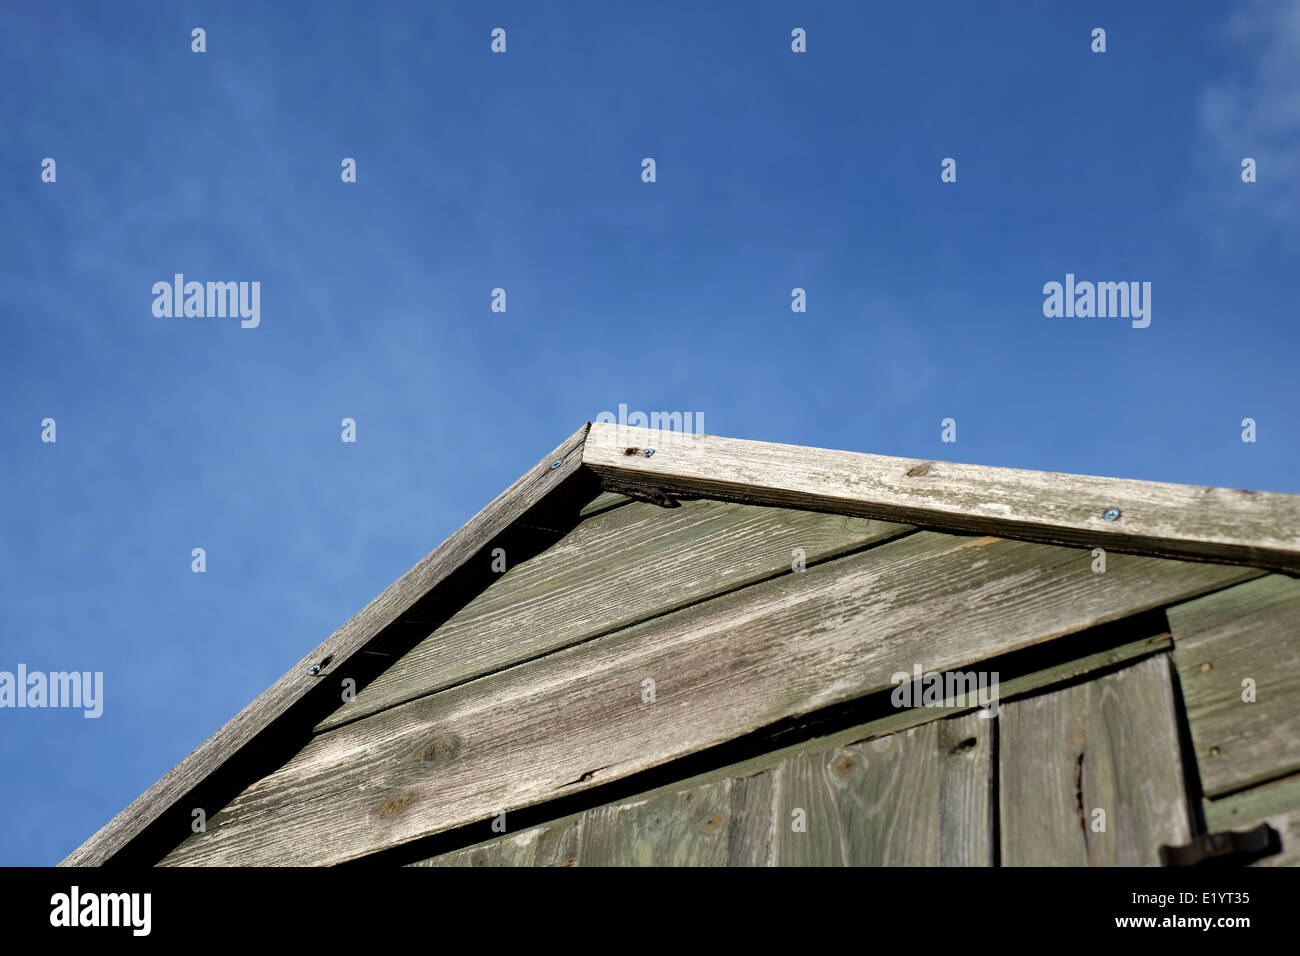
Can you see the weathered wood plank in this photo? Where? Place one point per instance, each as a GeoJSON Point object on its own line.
{"type": "Point", "coordinates": [922, 797]}
{"type": "Point", "coordinates": [1259, 529]}
{"type": "Point", "coordinates": [721, 822]}
{"type": "Point", "coordinates": [1251, 632]}
{"type": "Point", "coordinates": [276, 700]}
{"type": "Point", "coordinates": [722, 668]}
{"type": "Point", "coordinates": [553, 844]}
{"type": "Point", "coordinates": [619, 567]}
{"type": "Point", "coordinates": [750, 834]}
{"type": "Point", "coordinates": [1276, 803]}
{"type": "Point", "coordinates": [1109, 744]}
{"type": "Point", "coordinates": [690, 828]}
{"type": "Point", "coordinates": [603, 502]}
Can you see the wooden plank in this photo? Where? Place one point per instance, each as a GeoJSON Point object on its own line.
{"type": "Point", "coordinates": [1225, 525]}
{"type": "Point", "coordinates": [1023, 684]}
{"type": "Point", "coordinates": [723, 822]}
{"type": "Point", "coordinates": [1251, 632]}
{"type": "Point", "coordinates": [1109, 744]}
{"type": "Point", "coordinates": [1276, 803]}
{"type": "Point", "coordinates": [603, 502]}
{"type": "Point", "coordinates": [553, 844]}
{"type": "Point", "coordinates": [690, 828]}
{"type": "Point", "coordinates": [723, 668]}
{"type": "Point", "coordinates": [751, 780]}
{"type": "Point", "coordinates": [613, 570]}
{"type": "Point", "coordinates": [922, 797]}
{"type": "Point", "coordinates": [338, 649]}
{"type": "Point", "coordinates": [750, 835]}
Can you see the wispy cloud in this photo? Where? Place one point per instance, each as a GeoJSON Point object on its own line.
{"type": "Point", "coordinates": [1255, 112]}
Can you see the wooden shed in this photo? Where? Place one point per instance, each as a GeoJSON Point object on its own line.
{"type": "Point", "coordinates": [662, 648]}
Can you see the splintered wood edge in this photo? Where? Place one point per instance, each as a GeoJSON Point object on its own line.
{"type": "Point", "coordinates": [1185, 522]}
{"type": "Point", "coordinates": [388, 607]}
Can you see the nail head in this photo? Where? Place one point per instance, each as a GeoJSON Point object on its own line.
{"type": "Point", "coordinates": [1112, 514]}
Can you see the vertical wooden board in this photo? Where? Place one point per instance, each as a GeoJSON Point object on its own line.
{"type": "Point", "coordinates": [916, 798]}
{"type": "Point", "coordinates": [515, 849]}
{"type": "Point", "coordinates": [1248, 631]}
{"type": "Point", "coordinates": [966, 767]}
{"type": "Point", "coordinates": [688, 828]}
{"type": "Point", "coordinates": [1277, 804]}
{"type": "Point", "coordinates": [1110, 744]}
{"type": "Point", "coordinates": [552, 844]}
{"type": "Point", "coordinates": [749, 836]}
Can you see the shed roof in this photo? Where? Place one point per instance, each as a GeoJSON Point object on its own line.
{"type": "Point", "coordinates": [967, 562]}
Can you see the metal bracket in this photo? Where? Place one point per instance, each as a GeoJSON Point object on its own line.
{"type": "Point", "coordinates": [1224, 849]}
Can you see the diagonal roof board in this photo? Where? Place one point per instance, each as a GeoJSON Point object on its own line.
{"type": "Point", "coordinates": [1257, 529]}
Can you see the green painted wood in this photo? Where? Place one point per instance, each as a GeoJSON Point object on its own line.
{"type": "Point", "coordinates": [917, 798]}
{"type": "Point", "coordinates": [689, 828]}
{"type": "Point", "coordinates": [550, 845]}
{"type": "Point", "coordinates": [750, 834]}
{"type": "Point", "coordinates": [750, 837]}
{"type": "Point", "coordinates": [920, 797]}
{"type": "Point", "coordinates": [1249, 631]}
{"type": "Point", "coordinates": [618, 567]}
{"type": "Point", "coordinates": [1276, 803]}
{"type": "Point", "coordinates": [1110, 743]}
{"type": "Point", "coordinates": [724, 822]}
{"type": "Point", "coordinates": [603, 502]}
{"type": "Point", "coordinates": [575, 718]}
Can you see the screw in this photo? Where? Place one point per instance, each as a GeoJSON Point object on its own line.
{"type": "Point", "coordinates": [1205, 667]}
{"type": "Point", "coordinates": [648, 452]}
{"type": "Point", "coordinates": [557, 463]}
{"type": "Point", "coordinates": [313, 670]}
{"type": "Point", "coordinates": [1111, 514]}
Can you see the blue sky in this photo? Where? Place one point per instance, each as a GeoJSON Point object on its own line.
{"type": "Point", "coordinates": [522, 171]}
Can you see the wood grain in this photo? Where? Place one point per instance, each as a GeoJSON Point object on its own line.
{"type": "Point", "coordinates": [1109, 743]}
{"type": "Point", "coordinates": [1258, 529]}
{"type": "Point", "coordinates": [555, 844]}
{"type": "Point", "coordinates": [725, 667]}
{"type": "Point", "coordinates": [1251, 631]}
{"type": "Point", "coordinates": [920, 797]}
{"type": "Point", "coordinates": [615, 569]}
{"type": "Point", "coordinates": [689, 828]}
{"type": "Point", "coordinates": [1276, 803]}
{"type": "Point", "coordinates": [276, 700]}
{"type": "Point", "coordinates": [917, 798]}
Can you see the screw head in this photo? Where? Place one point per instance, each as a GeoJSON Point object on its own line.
{"type": "Point", "coordinates": [1112, 514]}
{"type": "Point", "coordinates": [647, 452]}
{"type": "Point", "coordinates": [557, 463]}
{"type": "Point", "coordinates": [313, 670]}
